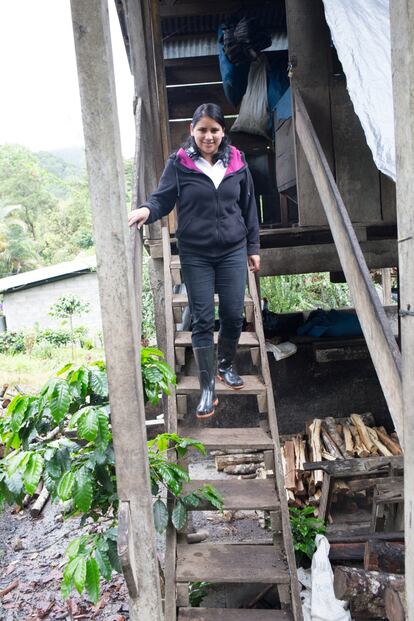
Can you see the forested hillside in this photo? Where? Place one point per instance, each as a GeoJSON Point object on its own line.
{"type": "Point", "coordinates": [45, 214]}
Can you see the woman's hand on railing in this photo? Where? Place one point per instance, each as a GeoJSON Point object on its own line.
{"type": "Point", "coordinates": [254, 262]}
{"type": "Point", "coordinates": [138, 216]}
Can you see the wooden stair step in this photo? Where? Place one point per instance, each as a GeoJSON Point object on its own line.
{"type": "Point", "coordinates": [247, 339]}
{"type": "Point", "coordinates": [245, 494]}
{"type": "Point", "coordinates": [232, 614]}
{"type": "Point", "coordinates": [188, 384]}
{"type": "Point", "coordinates": [228, 437]}
{"type": "Point", "coordinates": [181, 299]}
{"type": "Point", "coordinates": [230, 563]}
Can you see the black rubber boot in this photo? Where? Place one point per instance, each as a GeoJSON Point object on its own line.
{"type": "Point", "coordinates": [226, 372]}
{"type": "Point", "coordinates": [205, 359]}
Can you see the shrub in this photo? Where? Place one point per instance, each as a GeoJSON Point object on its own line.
{"type": "Point", "coordinates": [12, 343]}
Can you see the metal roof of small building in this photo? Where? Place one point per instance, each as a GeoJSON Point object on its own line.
{"type": "Point", "coordinates": [50, 273]}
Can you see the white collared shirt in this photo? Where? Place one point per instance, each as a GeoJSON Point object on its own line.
{"type": "Point", "coordinates": [215, 171]}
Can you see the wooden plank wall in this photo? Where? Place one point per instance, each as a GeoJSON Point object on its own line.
{"type": "Point", "coordinates": [368, 195]}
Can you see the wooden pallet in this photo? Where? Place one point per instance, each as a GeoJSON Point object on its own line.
{"type": "Point", "coordinates": [218, 563]}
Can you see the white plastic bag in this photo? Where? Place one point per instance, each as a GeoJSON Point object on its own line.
{"type": "Point", "coordinates": [254, 113]}
{"type": "Point", "coordinates": [325, 606]}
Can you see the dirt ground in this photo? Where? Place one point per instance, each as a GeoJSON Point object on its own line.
{"type": "Point", "coordinates": [31, 561]}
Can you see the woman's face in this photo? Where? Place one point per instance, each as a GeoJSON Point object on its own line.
{"type": "Point", "coordinates": [208, 135]}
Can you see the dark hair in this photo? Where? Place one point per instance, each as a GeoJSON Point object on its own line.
{"type": "Point", "coordinates": [213, 111]}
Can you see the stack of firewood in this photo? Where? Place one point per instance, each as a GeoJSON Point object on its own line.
{"type": "Point", "coordinates": [244, 463]}
{"type": "Point", "coordinates": [331, 439]}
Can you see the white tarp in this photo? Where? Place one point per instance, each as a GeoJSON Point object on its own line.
{"type": "Point", "coordinates": [360, 31]}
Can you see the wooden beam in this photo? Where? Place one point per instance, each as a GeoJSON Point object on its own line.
{"type": "Point", "coordinates": [402, 44]}
{"type": "Point", "coordinates": [211, 7]}
{"type": "Point", "coordinates": [309, 57]}
{"type": "Point", "coordinates": [118, 296]}
{"type": "Point", "coordinates": [323, 258]}
{"type": "Point", "coordinates": [383, 348]}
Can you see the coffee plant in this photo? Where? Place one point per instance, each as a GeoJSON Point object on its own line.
{"type": "Point", "coordinates": [63, 436]}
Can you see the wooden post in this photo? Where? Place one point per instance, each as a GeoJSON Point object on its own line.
{"type": "Point", "coordinates": [381, 343]}
{"type": "Point", "coordinates": [402, 44]}
{"type": "Point", "coordinates": [118, 301]}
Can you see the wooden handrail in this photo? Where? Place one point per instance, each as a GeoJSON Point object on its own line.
{"type": "Point", "coordinates": [380, 340]}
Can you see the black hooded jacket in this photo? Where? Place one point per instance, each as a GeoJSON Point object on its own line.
{"type": "Point", "coordinates": [211, 221]}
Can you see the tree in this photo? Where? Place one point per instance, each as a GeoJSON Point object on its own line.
{"type": "Point", "coordinates": [24, 182]}
{"type": "Point", "coordinates": [67, 307]}
{"type": "Point", "coordinates": [17, 249]}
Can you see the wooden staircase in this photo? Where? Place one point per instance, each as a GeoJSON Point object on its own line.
{"type": "Point", "coordinates": [218, 563]}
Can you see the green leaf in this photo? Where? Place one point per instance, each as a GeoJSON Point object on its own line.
{"type": "Point", "coordinates": [66, 485]}
{"type": "Point", "coordinates": [103, 426]}
{"type": "Point", "coordinates": [84, 491]}
{"type": "Point", "coordinates": [92, 580]}
{"type": "Point", "coordinates": [88, 424]}
{"type": "Point", "coordinates": [32, 473]}
{"type": "Point", "coordinates": [59, 400]}
{"type": "Point", "coordinates": [73, 548]}
{"type": "Point", "coordinates": [103, 563]}
{"type": "Point", "coordinates": [16, 461]}
{"type": "Point", "coordinates": [113, 555]}
{"type": "Point", "coordinates": [98, 381]}
{"type": "Point", "coordinates": [179, 515]}
{"type": "Point", "coordinates": [19, 411]}
{"type": "Point", "coordinates": [160, 516]}
{"type": "Point", "coordinates": [63, 370]}
{"type": "Point", "coordinates": [79, 575]}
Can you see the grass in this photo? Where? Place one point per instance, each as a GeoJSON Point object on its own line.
{"type": "Point", "coordinates": [31, 372]}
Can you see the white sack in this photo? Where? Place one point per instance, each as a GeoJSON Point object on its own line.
{"type": "Point", "coordinates": [360, 31]}
{"type": "Point", "coordinates": [254, 114]}
{"type": "Point", "coordinates": [325, 606]}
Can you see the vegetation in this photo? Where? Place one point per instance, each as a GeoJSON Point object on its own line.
{"type": "Point", "coordinates": [305, 526]}
{"type": "Point", "coordinates": [68, 307]}
{"type": "Point", "coordinates": [77, 465]}
{"type": "Point", "coordinates": [303, 292]}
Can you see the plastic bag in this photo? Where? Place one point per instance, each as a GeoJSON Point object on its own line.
{"type": "Point", "coordinates": [325, 606]}
{"type": "Point", "coordinates": [254, 112]}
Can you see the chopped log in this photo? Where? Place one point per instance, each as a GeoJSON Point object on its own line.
{"type": "Point", "coordinates": [3, 390]}
{"type": "Point", "coordinates": [341, 486]}
{"type": "Point", "coordinates": [384, 556]}
{"type": "Point", "coordinates": [360, 448]}
{"type": "Point", "coordinates": [290, 472]}
{"type": "Point", "coordinates": [315, 444]}
{"type": "Point", "coordinates": [364, 590]}
{"type": "Point", "coordinates": [222, 461]}
{"type": "Point", "coordinates": [389, 443]}
{"type": "Point", "coordinates": [243, 468]}
{"type": "Point", "coordinates": [395, 604]}
{"type": "Point", "coordinates": [349, 443]}
{"type": "Point", "coordinates": [347, 551]}
{"type": "Point", "coordinates": [362, 485]}
{"type": "Point", "coordinates": [315, 499]}
{"type": "Point", "coordinates": [363, 432]}
{"type": "Point", "coordinates": [299, 446]}
{"type": "Point", "coordinates": [39, 504]}
{"type": "Point", "coordinates": [330, 425]}
{"type": "Point", "coordinates": [345, 536]}
{"type": "Point", "coordinates": [330, 445]}
{"type": "Point", "coordinates": [382, 449]}
{"type": "Point", "coordinates": [327, 456]}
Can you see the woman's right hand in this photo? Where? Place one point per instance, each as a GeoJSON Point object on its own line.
{"type": "Point", "coordinates": [138, 216]}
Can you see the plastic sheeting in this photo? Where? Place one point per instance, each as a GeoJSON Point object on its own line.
{"type": "Point", "coordinates": [360, 31]}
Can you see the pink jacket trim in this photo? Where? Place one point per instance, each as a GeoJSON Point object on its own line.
{"type": "Point", "coordinates": [236, 161]}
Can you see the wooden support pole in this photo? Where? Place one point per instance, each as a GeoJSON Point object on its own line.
{"type": "Point", "coordinates": [121, 325]}
{"type": "Point", "coordinates": [402, 46]}
{"type": "Point", "coordinates": [381, 343]}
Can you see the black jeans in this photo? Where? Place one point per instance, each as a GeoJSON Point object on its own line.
{"type": "Point", "coordinates": [204, 276]}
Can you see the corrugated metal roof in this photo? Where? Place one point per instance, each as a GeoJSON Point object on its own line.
{"type": "Point", "coordinates": [49, 273]}
{"type": "Point", "coordinates": [206, 45]}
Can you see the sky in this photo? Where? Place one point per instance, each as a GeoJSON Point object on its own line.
{"type": "Point", "coordinates": [40, 104]}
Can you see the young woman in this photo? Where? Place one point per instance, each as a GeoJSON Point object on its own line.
{"type": "Point", "coordinates": [218, 233]}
